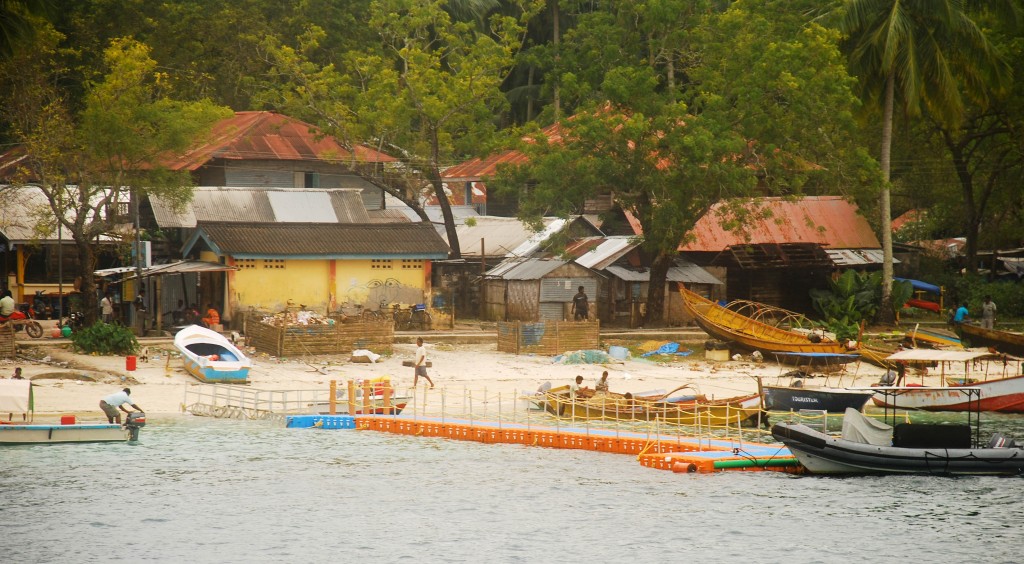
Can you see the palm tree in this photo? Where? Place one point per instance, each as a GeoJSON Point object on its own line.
{"type": "Point", "coordinates": [923, 54]}
{"type": "Point", "coordinates": [15, 24]}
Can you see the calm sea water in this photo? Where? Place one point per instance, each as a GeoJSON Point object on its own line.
{"type": "Point", "coordinates": [205, 490]}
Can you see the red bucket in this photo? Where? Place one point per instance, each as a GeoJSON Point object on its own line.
{"type": "Point", "coordinates": [129, 363]}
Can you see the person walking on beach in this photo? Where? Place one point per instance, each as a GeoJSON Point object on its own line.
{"type": "Point", "coordinates": [988, 313]}
{"type": "Point", "coordinates": [420, 364]}
{"type": "Point", "coordinates": [111, 403]}
{"type": "Point", "coordinates": [580, 305]}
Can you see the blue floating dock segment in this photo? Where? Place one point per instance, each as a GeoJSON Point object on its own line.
{"type": "Point", "coordinates": [320, 422]}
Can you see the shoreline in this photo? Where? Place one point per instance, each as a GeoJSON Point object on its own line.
{"type": "Point", "coordinates": [68, 383]}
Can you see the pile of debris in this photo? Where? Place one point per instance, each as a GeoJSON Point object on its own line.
{"type": "Point", "coordinates": [303, 317]}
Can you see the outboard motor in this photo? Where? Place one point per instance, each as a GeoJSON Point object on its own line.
{"type": "Point", "coordinates": [1000, 440]}
{"type": "Point", "coordinates": [135, 421]}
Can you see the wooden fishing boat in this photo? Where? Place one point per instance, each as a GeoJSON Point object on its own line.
{"type": "Point", "coordinates": [935, 338]}
{"type": "Point", "coordinates": [755, 326]}
{"type": "Point", "coordinates": [1004, 395]}
{"type": "Point", "coordinates": [1007, 342]}
{"type": "Point", "coordinates": [591, 405]}
{"type": "Point", "coordinates": [210, 357]}
{"type": "Point", "coordinates": [870, 447]}
{"type": "Point", "coordinates": [16, 397]}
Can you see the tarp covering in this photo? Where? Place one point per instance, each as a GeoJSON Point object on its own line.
{"type": "Point", "coordinates": [860, 428]}
{"type": "Point", "coordinates": [15, 396]}
{"type": "Point", "coordinates": [923, 286]}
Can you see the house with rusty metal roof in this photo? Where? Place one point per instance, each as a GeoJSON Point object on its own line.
{"type": "Point", "coordinates": [781, 248]}
{"type": "Point", "coordinates": [270, 150]}
{"type": "Point", "coordinates": [319, 265]}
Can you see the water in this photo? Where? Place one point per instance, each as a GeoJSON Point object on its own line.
{"type": "Point", "coordinates": [206, 490]}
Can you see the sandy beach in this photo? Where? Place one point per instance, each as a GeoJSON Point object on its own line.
{"type": "Point", "coordinates": [69, 383]}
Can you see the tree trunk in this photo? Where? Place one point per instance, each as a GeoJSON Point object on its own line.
{"type": "Point", "coordinates": [86, 266]}
{"type": "Point", "coordinates": [886, 313]}
{"type": "Point", "coordinates": [442, 199]}
{"type": "Point", "coordinates": [656, 289]}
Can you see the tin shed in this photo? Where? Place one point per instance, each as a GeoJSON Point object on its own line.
{"type": "Point", "coordinates": [537, 289]}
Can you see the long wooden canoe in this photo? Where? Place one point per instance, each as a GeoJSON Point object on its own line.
{"type": "Point", "coordinates": [589, 405]}
{"type": "Point", "coordinates": [1006, 342]}
{"type": "Point", "coordinates": [729, 325]}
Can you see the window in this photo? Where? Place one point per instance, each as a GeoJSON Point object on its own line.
{"type": "Point", "coordinates": [273, 263]}
{"type": "Point", "coordinates": [245, 264]}
{"type": "Point", "coordinates": [380, 264]}
{"type": "Point", "coordinates": [311, 180]}
{"type": "Point", "coordinates": [412, 264]}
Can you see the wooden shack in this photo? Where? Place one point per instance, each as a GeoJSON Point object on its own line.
{"type": "Point", "coordinates": [538, 290]}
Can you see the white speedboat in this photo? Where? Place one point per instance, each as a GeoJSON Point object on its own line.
{"type": "Point", "coordinates": [211, 357]}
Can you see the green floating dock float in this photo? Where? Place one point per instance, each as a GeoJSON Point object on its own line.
{"type": "Point", "coordinates": [755, 463]}
{"type": "Point", "coordinates": [320, 422]}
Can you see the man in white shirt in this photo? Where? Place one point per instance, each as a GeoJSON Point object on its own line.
{"type": "Point", "coordinates": [421, 363]}
{"type": "Point", "coordinates": [110, 404]}
{"type": "Point", "coordinates": [6, 304]}
{"type": "Point", "coordinates": [107, 309]}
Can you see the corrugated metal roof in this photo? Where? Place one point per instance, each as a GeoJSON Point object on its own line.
{"type": "Point", "coordinates": [684, 272]}
{"type": "Point", "coordinates": [535, 240]}
{"type": "Point", "coordinates": [409, 240]}
{"type": "Point", "coordinates": [22, 206]}
{"type": "Point", "coordinates": [856, 257]}
{"type": "Point", "coordinates": [827, 220]}
{"type": "Point", "coordinates": [260, 205]}
{"type": "Point", "coordinates": [599, 252]}
{"type": "Point", "coordinates": [315, 207]}
{"type": "Point", "coordinates": [524, 269]}
{"type": "Point", "coordinates": [388, 216]}
{"type": "Point", "coordinates": [481, 169]}
{"type": "Point", "coordinates": [269, 136]}
{"type": "Point", "coordinates": [500, 235]}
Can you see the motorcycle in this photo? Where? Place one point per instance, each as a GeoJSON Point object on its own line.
{"type": "Point", "coordinates": [24, 316]}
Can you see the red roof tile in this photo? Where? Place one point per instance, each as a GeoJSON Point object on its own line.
{"type": "Point", "coordinates": [481, 169]}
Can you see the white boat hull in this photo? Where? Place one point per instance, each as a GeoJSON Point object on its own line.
{"type": "Point", "coordinates": [79, 433]}
{"type": "Point", "coordinates": [210, 357]}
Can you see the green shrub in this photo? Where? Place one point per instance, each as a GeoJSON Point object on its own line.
{"type": "Point", "coordinates": [105, 338]}
{"type": "Point", "coordinates": [1008, 295]}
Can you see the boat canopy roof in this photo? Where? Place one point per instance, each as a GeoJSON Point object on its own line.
{"type": "Point", "coordinates": [16, 396]}
{"type": "Point", "coordinates": [932, 355]}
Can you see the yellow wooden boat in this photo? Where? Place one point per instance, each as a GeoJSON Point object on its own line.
{"type": "Point", "coordinates": [741, 322]}
{"type": "Point", "coordinates": [591, 405]}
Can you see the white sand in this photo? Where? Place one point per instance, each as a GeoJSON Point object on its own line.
{"type": "Point", "coordinates": [158, 386]}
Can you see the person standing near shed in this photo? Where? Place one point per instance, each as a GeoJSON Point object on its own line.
{"type": "Point", "coordinates": [580, 305]}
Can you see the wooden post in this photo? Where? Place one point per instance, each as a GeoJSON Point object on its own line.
{"type": "Point", "coordinates": [483, 282]}
{"type": "Point", "coordinates": [334, 397]}
{"type": "Point", "coordinates": [367, 390]}
{"type": "Point", "coordinates": [387, 397]}
{"type": "Point", "coordinates": [351, 397]}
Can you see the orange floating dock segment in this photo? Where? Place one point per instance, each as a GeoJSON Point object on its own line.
{"type": "Point", "coordinates": [664, 452]}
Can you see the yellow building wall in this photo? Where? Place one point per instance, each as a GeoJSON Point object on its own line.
{"type": "Point", "coordinates": [325, 285]}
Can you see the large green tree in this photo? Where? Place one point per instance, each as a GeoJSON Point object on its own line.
{"type": "Point", "coordinates": [90, 163]}
{"type": "Point", "coordinates": [917, 54]}
{"type": "Point", "coordinates": [427, 91]}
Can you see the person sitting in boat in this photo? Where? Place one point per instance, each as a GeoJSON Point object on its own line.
{"type": "Point", "coordinates": [212, 317]}
{"type": "Point", "coordinates": [602, 384]}
{"type": "Point", "coordinates": [111, 403]}
{"type": "Point", "coordinates": [574, 388]}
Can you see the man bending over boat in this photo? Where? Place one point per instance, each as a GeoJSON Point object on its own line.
{"type": "Point", "coordinates": [111, 403]}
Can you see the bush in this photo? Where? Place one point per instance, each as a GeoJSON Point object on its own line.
{"type": "Point", "coordinates": [105, 338]}
{"type": "Point", "coordinates": [1008, 295]}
